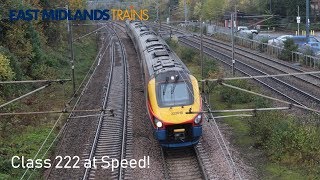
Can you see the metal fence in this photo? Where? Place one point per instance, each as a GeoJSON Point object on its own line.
{"type": "Point", "coordinates": [273, 51]}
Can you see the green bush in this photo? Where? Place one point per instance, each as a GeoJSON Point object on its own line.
{"type": "Point", "coordinates": [289, 46]}
{"type": "Point", "coordinates": [233, 96]}
{"type": "Point", "coordinates": [209, 67]}
{"type": "Point", "coordinates": [284, 140]}
{"type": "Point", "coordinates": [187, 54]}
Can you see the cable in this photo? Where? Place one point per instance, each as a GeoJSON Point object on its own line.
{"type": "Point", "coordinates": [62, 130]}
{"type": "Point", "coordinates": [220, 146]}
{"type": "Point", "coordinates": [35, 81]}
{"type": "Point", "coordinates": [262, 76]}
{"type": "Point", "coordinates": [88, 33]}
{"type": "Point", "coordinates": [47, 112]}
{"type": "Point", "coordinates": [236, 115]}
{"type": "Point", "coordinates": [213, 131]}
{"type": "Point", "coordinates": [210, 124]}
{"type": "Point", "coordinates": [43, 143]}
{"type": "Point", "coordinates": [92, 65]}
{"type": "Point", "coordinates": [25, 95]}
{"type": "Point", "coordinates": [216, 136]}
{"type": "Point", "coordinates": [272, 98]}
{"type": "Point", "coordinates": [224, 143]}
{"type": "Point", "coordinates": [221, 138]}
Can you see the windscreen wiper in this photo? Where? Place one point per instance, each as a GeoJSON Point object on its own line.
{"type": "Point", "coordinates": [165, 86]}
{"type": "Point", "coordinates": [175, 84]}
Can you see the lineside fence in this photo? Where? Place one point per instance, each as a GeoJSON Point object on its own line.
{"type": "Point", "coordinates": [274, 51]}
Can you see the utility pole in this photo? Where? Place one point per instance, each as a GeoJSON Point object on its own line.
{"type": "Point", "coordinates": [307, 20]}
{"type": "Point", "coordinates": [72, 54]}
{"type": "Point", "coordinates": [170, 21]}
{"type": "Point", "coordinates": [270, 6]}
{"type": "Point", "coordinates": [185, 12]}
{"type": "Point", "coordinates": [235, 16]}
{"type": "Point", "coordinates": [201, 55]}
{"type": "Point", "coordinates": [299, 20]}
{"type": "Point", "coordinates": [232, 37]}
{"type": "Point", "coordinates": [159, 20]}
{"type": "Point", "coordinates": [157, 10]}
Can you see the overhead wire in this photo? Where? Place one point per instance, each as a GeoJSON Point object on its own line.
{"type": "Point", "coordinates": [25, 95]}
{"type": "Point", "coordinates": [62, 130]}
{"type": "Point", "coordinates": [35, 81]}
{"type": "Point", "coordinates": [272, 98]}
{"type": "Point", "coordinates": [262, 76]}
{"type": "Point", "coordinates": [233, 168]}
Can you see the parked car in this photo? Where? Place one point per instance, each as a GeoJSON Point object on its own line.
{"type": "Point", "coordinates": [245, 29]}
{"type": "Point", "coordinates": [279, 41]}
{"type": "Point", "coordinates": [302, 40]}
{"type": "Point", "coordinates": [304, 45]}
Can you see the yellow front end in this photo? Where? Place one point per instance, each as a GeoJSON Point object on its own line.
{"type": "Point", "coordinates": [173, 126]}
{"type": "Point", "coordinates": [177, 114]}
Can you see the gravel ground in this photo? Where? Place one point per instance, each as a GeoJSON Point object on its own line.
{"type": "Point", "coordinates": [220, 166]}
{"type": "Point", "coordinates": [144, 144]}
{"type": "Point", "coordinates": [79, 133]}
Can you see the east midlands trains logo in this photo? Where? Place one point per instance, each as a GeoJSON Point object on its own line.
{"type": "Point", "coordinates": [82, 15]}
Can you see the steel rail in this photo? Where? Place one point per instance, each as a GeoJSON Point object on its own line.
{"type": "Point", "coordinates": [316, 99]}
{"type": "Point", "coordinates": [243, 72]}
{"type": "Point", "coordinates": [105, 100]}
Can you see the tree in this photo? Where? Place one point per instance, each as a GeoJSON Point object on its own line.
{"type": "Point", "coordinates": [289, 47]}
{"type": "Point", "coordinates": [197, 10]}
{"type": "Point", "coordinates": [76, 4]}
{"type": "Point", "coordinates": [5, 69]}
{"type": "Point", "coordinates": [213, 9]}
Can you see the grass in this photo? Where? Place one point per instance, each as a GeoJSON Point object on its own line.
{"type": "Point", "coordinates": [275, 171]}
{"type": "Point", "coordinates": [25, 144]}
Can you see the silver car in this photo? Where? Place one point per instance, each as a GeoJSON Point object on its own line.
{"type": "Point", "coordinates": [279, 41]}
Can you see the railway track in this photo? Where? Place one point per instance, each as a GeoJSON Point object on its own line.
{"type": "Point", "coordinates": [279, 66]}
{"type": "Point", "coordinates": [183, 164]}
{"type": "Point", "coordinates": [279, 85]}
{"type": "Point", "coordinates": [283, 88]}
{"type": "Point", "coordinates": [111, 133]}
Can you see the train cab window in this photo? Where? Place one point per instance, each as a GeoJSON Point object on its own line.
{"type": "Point", "coordinates": [174, 94]}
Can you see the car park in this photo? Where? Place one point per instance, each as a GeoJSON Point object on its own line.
{"type": "Point", "coordinates": [279, 41]}
{"type": "Point", "coordinates": [245, 29]}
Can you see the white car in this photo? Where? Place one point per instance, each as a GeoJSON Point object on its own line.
{"type": "Point", "coordinates": [279, 41]}
{"type": "Point", "coordinates": [245, 29]}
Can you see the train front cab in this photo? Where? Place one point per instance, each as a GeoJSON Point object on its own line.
{"type": "Point", "coordinates": [172, 126]}
{"type": "Point", "coordinates": [179, 135]}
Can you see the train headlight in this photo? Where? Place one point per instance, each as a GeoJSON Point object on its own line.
{"type": "Point", "coordinates": [158, 123]}
{"type": "Point", "coordinates": [198, 119]}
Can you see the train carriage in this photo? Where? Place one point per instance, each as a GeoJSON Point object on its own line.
{"type": "Point", "coordinates": [171, 90]}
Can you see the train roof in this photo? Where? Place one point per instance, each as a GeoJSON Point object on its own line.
{"type": "Point", "coordinates": [158, 55]}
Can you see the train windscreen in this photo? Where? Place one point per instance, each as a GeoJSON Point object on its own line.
{"type": "Point", "coordinates": [175, 94]}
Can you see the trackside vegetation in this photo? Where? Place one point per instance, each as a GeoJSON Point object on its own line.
{"type": "Point", "coordinates": [36, 50]}
{"type": "Point", "coordinates": [279, 144]}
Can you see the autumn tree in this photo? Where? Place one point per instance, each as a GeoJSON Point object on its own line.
{"type": "Point", "coordinates": [6, 72]}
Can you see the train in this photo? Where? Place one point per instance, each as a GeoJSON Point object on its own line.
{"type": "Point", "coordinates": [170, 89]}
